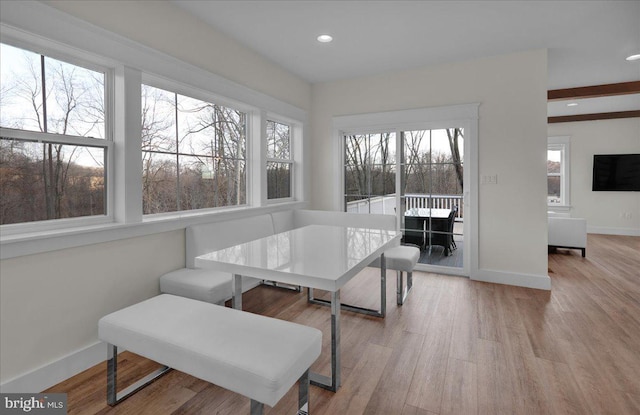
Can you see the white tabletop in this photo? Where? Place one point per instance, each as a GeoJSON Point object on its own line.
{"type": "Point", "coordinates": [315, 256]}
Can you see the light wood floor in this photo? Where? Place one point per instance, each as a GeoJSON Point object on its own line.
{"type": "Point", "coordinates": [455, 347]}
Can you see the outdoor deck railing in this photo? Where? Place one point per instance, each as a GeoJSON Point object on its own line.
{"type": "Point", "coordinates": [387, 204]}
{"type": "Point", "coordinates": [435, 202]}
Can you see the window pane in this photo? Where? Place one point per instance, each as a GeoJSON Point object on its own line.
{"type": "Point", "coordinates": [230, 133]}
{"type": "Point", "coordinates": [417, 178]}
{"type": "Point", "coordinates": [159, 183]}
{"type": "Point", "coordinates": [434, 162]}
{"type": "Point", "coordinates": [356, 150]}
{"type": "Point", "coordinates": [278, 141]}
{"type": "Point", "coordinates": [210, 130]}
{"type": "Point", "coordinates": [443, 179]}
{"type": "Point", "coordinates": [197, 126]}
{"type": "Point", "coordinates": [235, 190]}
{"type": "Point", "coordinates": [383, 148]}
{"type": "Point", "coordinates": [554, 161]}
{"type": "Point", "coordinates": [553, 189]}
{"type": "Point", "coordinates": [229, 182]}
{"type": "Point", "coordinates": [21, 86]}
{"type": "Point", "coordinates": [41, 181]}
{"type": "Point", "coordinates": [197, 187]}
{"type": "Point", "coordinates": [278, 180]}
{"type": "Point", "coordinates": [199, 146]}
{"type": "Point", "coordinates": [416, 147]}
{"type": "Point", "coordinates": [383, 179]}
{"type": "Point", "coordinates": [158, 120]}
{"type": "Point", "coordinates": [356, 182]}
{"type": "Point", "coordinates": [370, 173]}
{"type": "Point", "coordinates": [206, 182]}
{"type": "Point", "coordinates": [75, 99]}
{"type": "Point", "coordinates": [278, 147]}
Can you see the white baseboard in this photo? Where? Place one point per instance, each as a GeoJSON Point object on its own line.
{"type": "Point", "coordinates": [62, 369]}
{"type": "Point", "coordinates": [540, 282]}
{"type": "Point", "coordinates": [46, 376]}
{"type": "Point", "coordinates": [613, 231]}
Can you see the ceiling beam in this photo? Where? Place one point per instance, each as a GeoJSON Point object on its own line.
{"type": "Point", "coordinates": [591, 117]}
{"type": "Point", "coordinates": [622, 88]}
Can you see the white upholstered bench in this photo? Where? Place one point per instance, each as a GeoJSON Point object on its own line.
{"type": "Point", "coordinates": [256, 356]}
{"type": "Point", "coordinates": [205, 284]}
{"type": "Point", "coordinates": [403, 259]}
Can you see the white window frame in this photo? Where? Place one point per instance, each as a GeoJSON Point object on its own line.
{"type": "Point", "coordinates": [290, 160]}
{"type": "Point", "coordinates": [562, 144]}
{"type": "Point", "coordinates": [71, 56]}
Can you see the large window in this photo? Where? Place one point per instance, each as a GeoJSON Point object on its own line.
{"type": "Point", "coordinates": [54, 141]}
{"type": "Point", "coordinates": [93, 137]}
{"type": "Point", "coordinates": [279, 161]}
{"type": "Point", "coordinates": [558, 170]}
{"type": "Point", "coordinates": [193, 153]}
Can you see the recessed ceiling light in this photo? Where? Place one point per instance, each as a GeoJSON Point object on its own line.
{"type": "Point", "coordinates": [633, 57]}
{"type": "Point", "coordinates": [325, 38]}
{"type": "Point", "coordinates": [572, 104]}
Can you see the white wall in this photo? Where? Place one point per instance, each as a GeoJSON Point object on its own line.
{"type": "Point", "coordinates": [604, 211]}
{"type": "Point", "coordinates": [511, 91]}
{"type": "Point", "coordinates": [170, 29]}
{"type": "Point", "coordinates": [50, 303]}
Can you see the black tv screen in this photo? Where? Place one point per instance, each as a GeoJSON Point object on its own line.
{"type": "Point", "coordinates": [616, 172]}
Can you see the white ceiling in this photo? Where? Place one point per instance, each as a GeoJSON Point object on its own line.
{"type": "Point", "coordinates": [587, 40]}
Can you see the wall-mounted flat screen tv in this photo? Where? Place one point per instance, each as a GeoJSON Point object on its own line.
{"type": "Point", "coordinates": [616, 172]}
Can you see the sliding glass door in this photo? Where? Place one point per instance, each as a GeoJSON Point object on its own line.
{"type": "Point", "coordinates": [417, 175]}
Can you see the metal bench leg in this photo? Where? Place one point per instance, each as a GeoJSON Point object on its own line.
{"type": "Point", "coordinates": [257, 408]}
{"type": "Point", "coordinates": [113, 396]}
{"type": "Point", "coordinates": [402, 293]}
{"type": "Point", "coordinates": [303, 394]}
{"type": "Point", "coordinates": [399, 288]}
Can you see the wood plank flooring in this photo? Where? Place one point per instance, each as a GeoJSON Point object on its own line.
{"type": "Point", "coordinates": [455, 347]}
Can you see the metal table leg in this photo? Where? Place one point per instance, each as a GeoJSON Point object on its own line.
{"type": "Point", "coordinates": [236, 299]}
{"type": "Point", "coordinates": [331, 383]}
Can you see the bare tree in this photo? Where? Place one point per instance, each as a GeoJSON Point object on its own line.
{"type": "Point", "coordinates": [357, 161]}
{"type": "Point", "coordinates": [454, 134]}
{"type": "Point", "coordinates": [416, 161]}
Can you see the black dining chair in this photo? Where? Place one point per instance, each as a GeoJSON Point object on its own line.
{"type": "Point", "coordinates": [452, 221]}
{"type": "Point", "coordinates": [414, 231]}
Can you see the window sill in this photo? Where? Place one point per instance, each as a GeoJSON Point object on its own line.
{"type": "Point", "coordinates": [17, 245]}
{"type": "Point", "coordinates": [559, 208]}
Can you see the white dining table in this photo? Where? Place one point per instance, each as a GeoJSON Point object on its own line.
{"type": "Point", "coordinates": [315, 256]}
